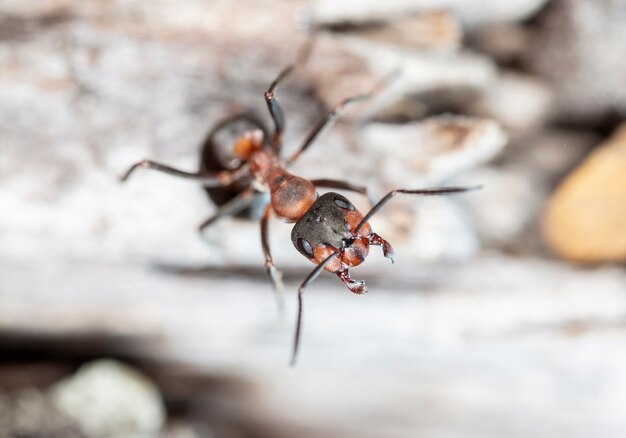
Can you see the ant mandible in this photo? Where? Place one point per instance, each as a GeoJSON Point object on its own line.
{"type": "Point", "coordinates": [328, 229]}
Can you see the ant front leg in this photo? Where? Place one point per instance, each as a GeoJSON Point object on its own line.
{"type": "Point", "coordinates": [219, 179]}
{"type": "Point", "coordinates": [274, 275]}
{"type": "Point", "coordinates": [326, 122]}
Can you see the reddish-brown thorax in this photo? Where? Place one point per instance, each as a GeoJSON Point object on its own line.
{"type": "Point", "coordinates": [291, 196]}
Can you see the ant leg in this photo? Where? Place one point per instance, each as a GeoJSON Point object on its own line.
{"type": "Point", "coordinates": [344, 185]}
{"type": "Point", "coordinates": [270, 95]}
{"type": "Point", "coordinates": [329, 118]}
{"type": "Point", "coordinates": [219, 179]}
{"type": "Point", "coordinates": [274, 275]}
{"type": "Point", "coordinates": [308, 280]}
{"type": "Point", "coordinates": [326, 122]}
{"type": "Point", "coordinates": [426, 192]}
{"type": "Point", "coordinates": [231, 208]}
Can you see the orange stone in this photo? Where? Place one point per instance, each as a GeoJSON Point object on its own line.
{"type": "Point", "coordinates": [585, 220]}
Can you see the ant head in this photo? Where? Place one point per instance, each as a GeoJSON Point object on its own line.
{"type": "Point", "coordinates": [328, 226]}
{"type": "Point", "coordinates": [248, 143]}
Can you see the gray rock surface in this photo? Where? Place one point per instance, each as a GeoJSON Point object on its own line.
{"type": "Point", "coordinates": [472, 12]}
{"type": "Point", "coordinates": [496, 346]}
{"type": "Point", "coordinates": [577, 49]}
{"type": "Point", "coordinates": [28, 412]}
{"type": "Point", "coordinates": [485, 348]}
{"type": "Point", "coordinates": [521, 103]}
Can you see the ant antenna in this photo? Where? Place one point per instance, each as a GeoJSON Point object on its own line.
{"type": "Point", "coordinates": [308, 280]}
{"type": "Point", "coordinates": [427, 192]}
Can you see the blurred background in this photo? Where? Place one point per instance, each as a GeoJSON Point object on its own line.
{"type": "Point", "coordinates": [503, 316]}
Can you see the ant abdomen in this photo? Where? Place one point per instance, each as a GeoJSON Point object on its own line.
{"type": "Point", "coordinates": [217, 154]}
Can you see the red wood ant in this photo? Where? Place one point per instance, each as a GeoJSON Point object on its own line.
{"type": "Point", "coordinates": [328, 229]}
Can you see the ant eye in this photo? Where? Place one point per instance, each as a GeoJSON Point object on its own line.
{"type": "Point", "coordinates": [305, 247]}
{"type": "Point", "coordinates": [343, 203]}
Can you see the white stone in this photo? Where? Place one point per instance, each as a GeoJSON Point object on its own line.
{"type": "Point", "coordinates": [109, 399]}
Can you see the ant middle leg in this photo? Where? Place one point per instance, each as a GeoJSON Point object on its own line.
{"type": "Point", "coordinates": [326, 122]}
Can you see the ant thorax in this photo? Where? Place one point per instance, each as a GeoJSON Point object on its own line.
{"type": "Point", "coordinates": [262, 164]}
{"type": "Point", "coordinates": [291, 196]}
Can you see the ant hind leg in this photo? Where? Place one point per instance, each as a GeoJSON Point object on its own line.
{"type": "Point", "coordinates": [231, 208]}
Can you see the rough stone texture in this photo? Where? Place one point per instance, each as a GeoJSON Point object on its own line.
{"type": "Point", "coordinates": [429, 30]}
{"type": "Point", "coordinates": [120, 98]}
{"type": "Point", "coordinates": [521, 103]}
{"type": "Point", "coordinates": [433, 150]}
{"type": "Point", "coordinates": [506, 207]}
{"type": "Point", "coordinates": [585, 219]}
{"type": "Point", "coordinates": [497, 346]}
{"type": "Point", "coordinates": [410, 73]}
{"type": "Point", "coordinates": [578, 49]}
{"type": "Point", "coordinates": [507, 212]}
{"type": "Point", "coordinates": [84, 97]}
{"type": "Point", "coordinates": [550, 153]}
{"type": "Point", "coordinates": [109, 399]}
{"type": "Point", "coordinates": [27, 412]}
{"type": "Point", "coordinates": [472, 12]}
{"type": "Point", "coordinates": [504, 42]}
{"type": "Point", "coordinates": [349, 64]}
{"type": "Point", "coordinates": [494, 347]}
{"type": "Point", "coordinates": [425, 154]}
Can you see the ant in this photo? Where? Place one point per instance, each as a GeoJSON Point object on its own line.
{"type": "Point", "coordinates": [328, 230]}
